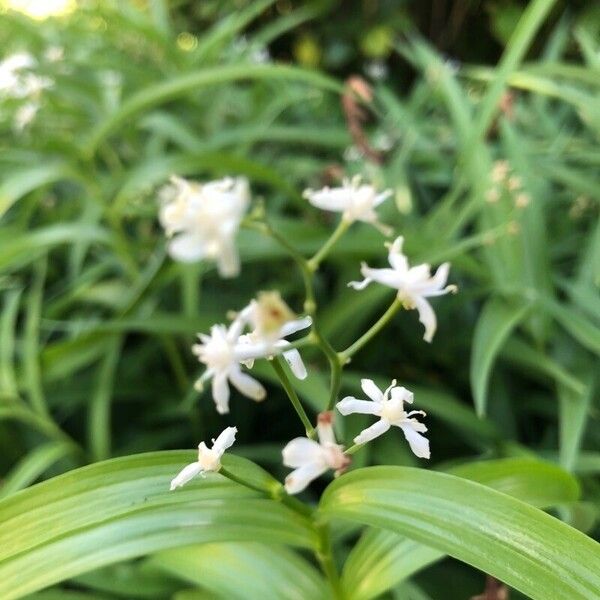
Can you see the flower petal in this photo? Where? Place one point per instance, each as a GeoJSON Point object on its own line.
{"type": "Point", "coordinates": [225, 440]}
{"type": "Point", "coordinates": [419, 444]}
{"type": "Point", "coordinates": [401, 393]}
{"type": "Point", "coordinates": [294, 326]}
{"type": "Point", "coordinates": [247, 385]}
{"type": "Point", "coordinates": [220, 392]}
{"type": "Point", "coordinates": [301, 451]}
{"type": "Point", "coordinates": [294, 360]}
{"type": "Point", "coordinates": [299, 479]}
{"type": "Point", "coordinates": [350, 405]}
{"type": "Point", "coordinates": [371, 390]}
{"type": "Point", "coordinates": [188, 472]}
{"type": "Point", "coordinates": [336, 199]}
{"type": "Point", "coordinates": [370, 433]}
{"type": "Point", "coordinates": [228, 260]}
{"type": "Point", "coordinates": [426, 316]}
{"type": "Point", "coordinates": [187, 247]}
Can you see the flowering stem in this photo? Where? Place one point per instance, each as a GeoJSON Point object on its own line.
{"type": "Point", "coordinates": [345, 355]}
{"type": "Point", "coordinates": [353, 449]}
{"type": "Point", "coordinates": [315, 261]}
{"type": "Point", "coordinates": [325, 557]}
{"type": "Point", "coordinates": [291, 392]}
{"type": "Point", "coordinates": [223, 471]}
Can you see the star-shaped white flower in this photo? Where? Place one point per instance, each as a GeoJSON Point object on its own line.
{"type": "Point", "coordinates": [389, 407]}
{"type": "Point", "coordinates": [414, 284]}
{"type": "Point", "coordinates": [203, 220]}
{"type": "Point", "coordinates": [355, 200]}
{"type": "Point", "coordinates": [209, 459]}
{"type": "Point", "coordinates": [226, 349]}
{"type": "Point", "coordinates": [311, 459]}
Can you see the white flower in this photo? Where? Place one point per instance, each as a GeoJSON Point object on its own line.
{"type": "Point", "coordinates": [25, 114]}
{"type": "Point", "coordinates": [355, 200]}
{"type": "Point", "coordinates": [389, 406]}
{"type": "Point", "coordinates": [225, 350]}
{"type": "Point", "coordinates": [54, 53]}
{"type": "Point", "coordinates": [414, 284]}
{"type": "Point", "coordinates": [209, 459]}
{"type": "Point", "coordinates": [203, 220]}
{"type": "Point", "coordinates": [311, 459]}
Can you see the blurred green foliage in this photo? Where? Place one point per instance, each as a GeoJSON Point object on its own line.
{"type": "Point", "coordinates": [487, 116]}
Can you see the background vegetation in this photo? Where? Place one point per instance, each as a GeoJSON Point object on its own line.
{"type": "Point", "coordinates": [97, 322]}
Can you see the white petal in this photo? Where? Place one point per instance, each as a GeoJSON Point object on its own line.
{"type": "Point", "coordinates": [247, 385]}
{"type": "Point", "coordinates": [360, 285]}
{"type": "Point", "coordinates": [187, 247]}
{"type": "Point", "coordinates": [382, 197]}
{"type": "Point", "coordinates": [294, 326]}
{"type": "Point", "coordinates": [220, 392]}
{"type": "Point", "coordinates": [418, 443]}
{"type": "Point", "coordinates": [225, 440]}
{"type": "Point", "coordinates": [188, 472]}
{"type": "Point", "coordinates": [441, 276]}
{"type": "Point", "coordinates": [370, 433]}
{"type": "Point", "coordinates": [371, 390]}
{"type": "Point", "coordinates": [350, 405]}
{"type": "Point", "coordinates": [396, 258]}
{"type": "Point", "coordinates": [390, 277]}
{"type": "Point", "coordinates": [401, 393]}
{"type": "Point", "coordinates": [325, 429]}
{"type": "Point", "coordinates": [336, 199]}
{"type": "Point", "coordinates": [426, 316]}
{"type": "Point", "coordinates": [228, 260]}
{"type": "Point", "coordinates": [301, 451]}
{"type": "Point", "coordinates": [299, 479]}
{"type": "Point", "coordinates": [294, 360]}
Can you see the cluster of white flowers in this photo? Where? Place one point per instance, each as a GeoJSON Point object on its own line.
{"type": "Point", "coordinates": [226, 349]}
{"type": "Point", "coordinates": [203, 220]}
{"type": "Point", "coordinates": [19, 81]}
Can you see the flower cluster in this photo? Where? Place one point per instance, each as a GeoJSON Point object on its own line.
{"type": "Point", "coordinates": [226, 349]}
{"type": "Point", "coordinates": [19, 81]}
{"type": "Point", "coordinates": [203, 220]}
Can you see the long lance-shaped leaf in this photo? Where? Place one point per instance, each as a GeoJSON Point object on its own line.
{"type": "Point", "coordinates": [122, 508]}
{"type": "Point", "coordinates": [516, 543]}
{"type": "Point", "coordinates": [260, 571]}
{"type": "Point", "coordinates": [382, 559]}
{"type": "Point", "coordinates": [192, 82]}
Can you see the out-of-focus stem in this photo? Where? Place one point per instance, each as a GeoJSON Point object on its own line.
{"type": "Point", "coordinates": [291, 392]}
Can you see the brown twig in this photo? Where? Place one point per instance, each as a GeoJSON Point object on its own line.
{"type": "Point", "coordinates": [358, 90]}
{"type": "Point", "coordinates": [494, 590]}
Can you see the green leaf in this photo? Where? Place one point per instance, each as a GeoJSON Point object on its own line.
{"type": "Point", "coordinates": [120, 509]}
{"type": "Point", "coordinates": [163, 92]}
{"type": "Point", "coordinates": [496, 322]}
{"type": "Point", "coordinates": [520, 545]}
{"type": "Point", "coordinates": [260, 571]}
{"type": "Point", "coordinates": [382, 559]}
{"type": "Point", "coordinates": [24, 181]}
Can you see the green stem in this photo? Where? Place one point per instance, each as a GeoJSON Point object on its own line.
{"type": "Point", "coordinates": [315, 261]}
{"type": "Point", "coordinates": [291, 392]}
{"type": "Point", "coordinates": [353, 449]}
{"type": "Point", "coordinates": [370, 333]}
{"type": "Point", "coordinates": [324, 555]}
{"type": "Point", "coordinates": [223, 471]}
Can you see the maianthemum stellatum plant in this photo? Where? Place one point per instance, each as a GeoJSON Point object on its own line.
{"type": "Point", "coordinates": [151, 188]}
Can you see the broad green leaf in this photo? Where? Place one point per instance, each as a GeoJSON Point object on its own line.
{"type": "Point", "coordinates": [516, 543]}
{"type": "Point", "coordinates": [260, 571]}
{"type": "Point", "coordinates": [495, 323]}
{"type": "Point", "coordinates": [122, 508]}
{"type": "Point", "coordinates": [382, 559]}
